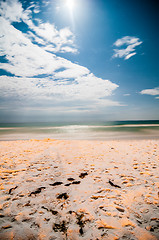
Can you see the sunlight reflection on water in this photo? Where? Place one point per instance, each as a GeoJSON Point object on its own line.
{"type": "Point", "coordinates": [81, 132]}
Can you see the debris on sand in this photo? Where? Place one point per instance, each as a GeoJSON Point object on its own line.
{"type": "Point", "coordinates": [114, 185]}
{"type": "Point", "coordinates": [56, 183]}
{"type": "Point", "coordinates": [37, 191]}
{"type": "Point", "coordinates": [11, 189]}
{"type": "Point", "coordinates": [70, 179]}
{"type": "Point", "coordinates": [54, 212]}
{"type": "Point", "coordinates": [60, 227]}
{"type": "Point", "coordinates": [76, 182]}
{"type": "Point", "coordinates": [63, 195]}
{"type": "Point", "coordinates": [82, 175]}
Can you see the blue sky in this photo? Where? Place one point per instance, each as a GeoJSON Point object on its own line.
{"type": "Point", "coordinates": [79, 60]}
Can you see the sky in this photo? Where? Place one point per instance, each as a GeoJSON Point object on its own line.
{"type": "Point", "coordinates": [79, 60]}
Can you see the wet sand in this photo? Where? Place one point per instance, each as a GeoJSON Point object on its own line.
{"type": "Point", "coordinates": [60, 189]}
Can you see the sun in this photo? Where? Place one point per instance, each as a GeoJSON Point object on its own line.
{"type": "Point", "coordinates": [70, 4]}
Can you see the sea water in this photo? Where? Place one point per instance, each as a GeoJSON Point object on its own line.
{"type": "Point", "coordinates": [74, 130]}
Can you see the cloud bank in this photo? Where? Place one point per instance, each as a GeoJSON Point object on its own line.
{"type": "Point", "coordinates": [38, 75]}
{"type": "Point", "coordinates": [128, 45]}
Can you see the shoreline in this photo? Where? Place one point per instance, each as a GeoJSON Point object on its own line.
{"type": "Point", "coordinates": [79, 189]}
{"type": "Point", "coordinates": [139, 138]}
{"type": "Point", "coordinates": [78, 139]}
{"type": "Point", "coordinates": [105, 136]}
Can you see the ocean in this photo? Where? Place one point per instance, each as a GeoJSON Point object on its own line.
{"type": "Point", "coordinates": [90, 131]}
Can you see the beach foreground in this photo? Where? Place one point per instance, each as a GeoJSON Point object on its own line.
{"type": "Point", "coordinates": [53, 189]}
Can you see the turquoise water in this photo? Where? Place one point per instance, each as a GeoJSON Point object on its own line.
{"type": "Point", "coordinates": [102, 130]}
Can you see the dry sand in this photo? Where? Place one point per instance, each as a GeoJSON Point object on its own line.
{"type": "Point", "coordinates": [52, 189]}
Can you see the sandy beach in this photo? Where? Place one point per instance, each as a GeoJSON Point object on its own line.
{"type": "Point", "coordinates": [72, 189]}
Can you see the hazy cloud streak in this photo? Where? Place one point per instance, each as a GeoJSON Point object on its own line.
{"type": "Point", "coordinates": [153, 91]}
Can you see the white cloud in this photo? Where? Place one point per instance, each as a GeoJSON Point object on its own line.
{"type": "Point", "coordinates": [28, 59]}
{"type": "Point", "coordinates": [36, 10]}
{"type": "Point", "coordinates": [34, 7]}
{"type": "Point", "coordinates": [126, 94]}
{"type": "Point", "coordinates": [153, 91]}
{"type": "Point", "coordinates": [68, 49]}
{"type": "Point", "coordinates": [33, 37]}
{"type": "Point", "coordinates": [130, 55]}
{"type": "Point", "coordinates": [59, 40]}
{"type": "Point", "coordinates": [126, 40]}
{"type": "Point", "coordinates": [77, 71]}
{"type": "Point", "coordinates": [83, 88]}
{"type": "Point", "coordinates": [130, 43]}
{"type": "Point", "coordinates": [62, 40]}
{"type": "Point", "coordinates": [86, 93]}
{"type": "Point", "coordinates": [41, 77]}
{"type": "Point", "coordinates": [25, 58]}
{"type": "Point", "coordinates": [11, 10]}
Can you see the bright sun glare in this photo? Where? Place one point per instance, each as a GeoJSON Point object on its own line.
{"type": "Point", "coordinates": [70, 4]}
